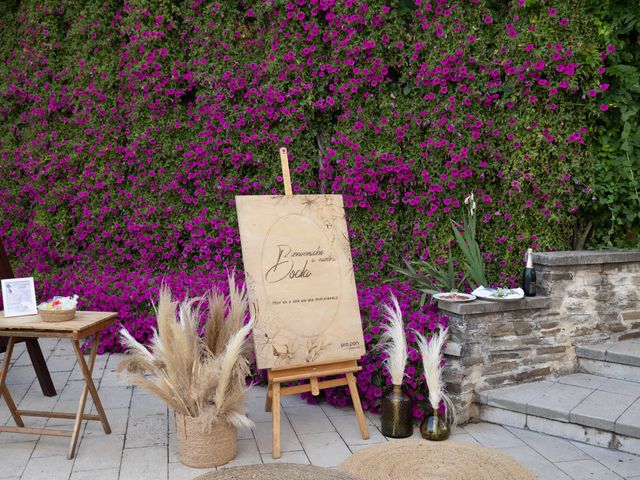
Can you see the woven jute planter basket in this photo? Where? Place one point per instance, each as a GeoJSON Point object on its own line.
{"type": "Point", "coordinates": [200, 448]}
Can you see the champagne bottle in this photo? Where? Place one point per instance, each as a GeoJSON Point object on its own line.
{"type": "Point", "coordinates": [529, 276]}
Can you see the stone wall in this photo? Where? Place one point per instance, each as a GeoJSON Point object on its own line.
{"type": "Point", "coordinates": [583, 297]}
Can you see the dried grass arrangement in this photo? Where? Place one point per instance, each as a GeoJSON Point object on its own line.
{"type": "Point", "coordinates": [432, 362]}
{"type": "Point", "coordinates": [201, 377]}
{"type": "Point", "coordinates": [396, 406]}
{"type": "Point", "coordinates": [394, 343]}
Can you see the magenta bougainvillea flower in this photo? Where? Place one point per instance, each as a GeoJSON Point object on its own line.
{"type": "Point", "coordinates": [126, 132]}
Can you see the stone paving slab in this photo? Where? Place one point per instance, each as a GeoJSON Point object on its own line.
{"type": "Point", "coordinates": [542, 467]}
{"type": "Point", "coordinates": [557, 401]}
{"type": "Point", "coordinates": [601, 409]}
{"type": "Point", "coordinates": [627, 352]}
{"type": "Point", "coordinates": [611, 369]}
{"type": "Point", "coordinates": [621, 386]}
{"type": "Point", "coordinates": [625, 465]}
{"type": "Point", "coordinates": [553, 449]}
{"type": "Point", "coordinates": [594, 352]}
{"type": "Point", "coordinates": [629, 421]}
{"type": "Point", "coordinates": [516, 398]}
{"type": "Point", "coordinates": [587, 470]}
{"type": "Point", "coordinates": [584, 380]}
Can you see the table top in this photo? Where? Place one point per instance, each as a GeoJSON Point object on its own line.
{"type": "Point", "coordinates": [82, 325]}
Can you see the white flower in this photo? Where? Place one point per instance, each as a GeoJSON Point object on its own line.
{"type": "Point", "coordinates": [469, 198]}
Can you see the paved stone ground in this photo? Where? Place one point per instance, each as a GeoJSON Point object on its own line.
{"type": "Point", "coordinates": [142, 445]}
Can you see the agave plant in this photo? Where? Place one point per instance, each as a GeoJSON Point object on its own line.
{"type": "Point", "coordinates": [465, 234]}
{"type": "Point", "coordinates": [430, 278]}
{"type": "Point", "coordinates": [198, 376]}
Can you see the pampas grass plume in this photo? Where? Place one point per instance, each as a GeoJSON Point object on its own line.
{"type": "Point", "coordinates": [431, 353]}
{"type": "Point", "coordinates": [394, 343]}
{"type": "Point", "coordinates": [196, 376]}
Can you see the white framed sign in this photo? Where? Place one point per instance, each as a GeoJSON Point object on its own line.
{"type": "Point", "coordinates": [19, 297]}
{"type": "Point", "coordinates": [300, 281]}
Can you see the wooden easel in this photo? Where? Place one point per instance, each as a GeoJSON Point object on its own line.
{"type": "Point", "coordinates": [278, 376]}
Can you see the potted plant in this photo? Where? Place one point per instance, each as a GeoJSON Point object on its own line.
{"type": "Point", "coordinates": [396, 420]}
{"type": "Point", "coordinates": [201, 377]}
{"type": "Point", "coordinates": [435, 426]}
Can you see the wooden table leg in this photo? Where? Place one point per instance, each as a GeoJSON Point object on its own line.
{"type": "Point", "coordinates": [4, 391]}
{"type": "Point", "coordinates": [275, 406]}
{"type": "Point", "coordinates": [269, 399]}
{"type": "Point", "coordinates": [40, 366]}
{"type": "Point", "coordinates": [353, 389]}
{"type": "Point", "coordinates": [88, 387]}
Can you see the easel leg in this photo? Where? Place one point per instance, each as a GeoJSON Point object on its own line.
{"type": "Point", "coordinates": [353, 389]}
{"type": "Point", "coordinates": [4, 391]}
{"type": "Point", "coordinates": [268, 401]}
{"type": "Point", "coordinates": [276, 419]}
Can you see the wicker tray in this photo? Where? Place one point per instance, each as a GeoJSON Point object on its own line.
{"type": "Point", "coordinates": [57, 315]}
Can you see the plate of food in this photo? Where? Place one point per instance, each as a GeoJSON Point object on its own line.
{"type": "Point", "coordinates": [499, 294]}
{"type": "Point", "coordinates": [455, 297]}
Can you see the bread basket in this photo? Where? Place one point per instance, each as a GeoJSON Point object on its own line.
{"type": "Point", "coordinates": [57, 315]}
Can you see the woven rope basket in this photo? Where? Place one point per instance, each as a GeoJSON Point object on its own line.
{"type": "Point", "coordinates": [57, 315]}
{"type": "Point", "coordinates": [201, 449]}
{"type": "Point", "coordinates": [277, 471]}
{"type": "Point", "coordinates": [423, 460]}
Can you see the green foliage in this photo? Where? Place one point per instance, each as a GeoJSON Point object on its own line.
{"type": "Point", "coordinates": [614, 210]}
{"type": "Point", "coordinates": [465, 234]}
{"type": "Point", "coordinates": [429, 278]}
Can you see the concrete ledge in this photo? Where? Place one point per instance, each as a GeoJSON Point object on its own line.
{"type": "Point", "coordinates": [485, 306]}
{"type": "Point", "coordinates": [586, 257]}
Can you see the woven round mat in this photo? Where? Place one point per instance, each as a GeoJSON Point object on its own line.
{"type": "Point", "coordinates": [423, 460]}
{"type": "Point", "coordinates": [276, 471]}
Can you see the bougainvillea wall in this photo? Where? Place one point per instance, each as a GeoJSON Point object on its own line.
{"type": "Point", "coordinates": [127, 128]}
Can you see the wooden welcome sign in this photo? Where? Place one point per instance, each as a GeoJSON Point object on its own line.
{"type": "Point", "coordinates": [300, 280]}
{"type": "Point", "coordinates": [302, 292]}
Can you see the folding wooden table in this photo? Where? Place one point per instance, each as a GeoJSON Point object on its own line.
{"type": "Point", "coordinates": [33, 347]}
{"type": "Point", "coordinates": [82, 326]}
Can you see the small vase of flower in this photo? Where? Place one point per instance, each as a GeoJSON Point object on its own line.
{"type": "Point", "coordinates": [396, 421]}
{"type": "Point", "coordinates": [435, 426]}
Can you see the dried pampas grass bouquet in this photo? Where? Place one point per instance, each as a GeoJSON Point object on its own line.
{"type": "Point", "coordinates": [201, 377]}
{"type": "Point", "coordinates": [396, 406]}
{"type": "Point", "coordinates": [435, 427]}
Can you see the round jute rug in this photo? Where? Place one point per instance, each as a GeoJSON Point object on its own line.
{"type": "Point", "coordinates": [277, 471]}
{"type": "Point", "coordinates": [423, 460]}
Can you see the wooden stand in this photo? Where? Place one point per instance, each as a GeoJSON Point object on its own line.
{"type": "Point", "coordinates": [312, 373]}
{"type": "Point", "coordinates": [33, 347]}
{"type": "Point", "coordinates": [286, 375]}
{"type": "Point", "coordinates": [85, 325]}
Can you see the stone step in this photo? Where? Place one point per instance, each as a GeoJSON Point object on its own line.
{"type": "Point", "coordinates": [594, 409]}
{"type": "Point", "coordinates": [617, 360]}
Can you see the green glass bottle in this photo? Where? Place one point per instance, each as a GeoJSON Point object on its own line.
{"type": "Point", "coordinates": [434, 426]}
{"type": "Point", "coordinates": [396, 421]}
